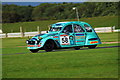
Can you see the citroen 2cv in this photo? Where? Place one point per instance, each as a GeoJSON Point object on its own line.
{"type": "Point", "coordinates": [74, 34]}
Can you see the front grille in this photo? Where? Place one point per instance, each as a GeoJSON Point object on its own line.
{"type": "Point", "coordinates": [31, 42]}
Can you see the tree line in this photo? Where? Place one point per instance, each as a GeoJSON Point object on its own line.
{"type": "Point", "coordinates": [56, 11]}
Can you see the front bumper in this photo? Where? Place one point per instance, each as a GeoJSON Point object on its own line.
{"type": "Point", "coordinates": [33, 46]}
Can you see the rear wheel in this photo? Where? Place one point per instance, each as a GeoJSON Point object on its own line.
{"type": "Point", "coordinates": [92, 46]}
{"type": "Point", "coordinates": [49, 46]}
{"type": "Point", "coordinates": [34, 50]}
{"type": "Point", "coordinates": [76, 48]}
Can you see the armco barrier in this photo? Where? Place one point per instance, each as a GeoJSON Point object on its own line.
{"type": "Point", "coordinates": [3, 35]}
{"type": "Point", "coordinates": [30, 34]}
{"type": "Point", "coordinates": [26, 34]}
{"type": "Point", "coordinates": [104, 29]}
{"type": "Point", "coordinates": [117, 30]}
{"type": "Point", "coordinates": [14, 35]}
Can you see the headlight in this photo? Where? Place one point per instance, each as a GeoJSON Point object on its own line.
{"type": "Point", "coordinates": [35, 42]}
{"type": "Point", "coordinates": [27, 41]}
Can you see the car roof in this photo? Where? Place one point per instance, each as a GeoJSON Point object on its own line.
{"type": "Point", "coordinates": [61, 24]}
{"type": "Point", "coordinates": [69, 22]}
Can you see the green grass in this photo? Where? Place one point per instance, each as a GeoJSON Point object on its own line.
{"type": "Point", "coordinates": [106, 21]}
{"type": "Point", "coordinates": [64, 63]}
{"type": "Point", "coordinates": [109, 37]}
{"type": "Point", "coordinates": [97, 63]}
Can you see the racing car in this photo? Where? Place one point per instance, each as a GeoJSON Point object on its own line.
{"type": "Point", "coordinates": [73, 34]}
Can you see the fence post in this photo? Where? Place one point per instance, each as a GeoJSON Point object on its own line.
{"type": "Point", "coordinates": [22, 32]}
{"type": "Point", "coordinates": [6, 35]}
{"type": "Point", "coordinates": [111, 29]}
{"type": "Point", "coordinates": [38, 29]}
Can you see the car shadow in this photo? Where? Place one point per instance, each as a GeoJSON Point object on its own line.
{"type": "Point", "coordinates": [57, 50]}
{"type": "Point", "coordinates": [71, 49]}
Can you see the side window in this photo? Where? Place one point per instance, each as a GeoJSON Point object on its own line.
{"type": "Point", "coordinates": [78, 28]}
{"type": "Point", "coordinates": [88, 28]}
{"type": "Point", "coordinates": [68, 29]}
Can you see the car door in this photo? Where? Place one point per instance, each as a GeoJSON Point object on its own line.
{"type": "Point", "coordinates": [91, 36]}
{"type": "Point", "coordinates": [79, 34]}
{"type": "Point", "coordinates": [67, 36]}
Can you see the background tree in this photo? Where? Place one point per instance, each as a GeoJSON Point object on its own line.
{"type": "Point", "coordinates": [57, 11]}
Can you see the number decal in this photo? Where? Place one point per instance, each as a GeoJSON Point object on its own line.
{"type": "Point", "coordinates": [64, 40]}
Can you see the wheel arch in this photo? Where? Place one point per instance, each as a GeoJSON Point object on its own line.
{"type": "Point", "coordinates": [55, 43]}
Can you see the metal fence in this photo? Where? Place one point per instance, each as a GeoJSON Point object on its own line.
{"type": "Point", "coordinates": [26, 34]}
{"type": "Point", "coordinates": [105, 29]}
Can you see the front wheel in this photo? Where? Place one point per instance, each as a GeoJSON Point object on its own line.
{"type": "Point", "coordinates": [49, 46]}
{"type": "Point", "coordinates": [34, 50]}
{"type": "Point", "coordinates": [92, 46]}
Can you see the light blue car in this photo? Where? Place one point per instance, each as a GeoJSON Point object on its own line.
{"type": "Point", "coordinates": [74, 34]}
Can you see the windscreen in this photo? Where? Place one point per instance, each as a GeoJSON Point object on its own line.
{"type": "Point", "coordinates": [55, 29]}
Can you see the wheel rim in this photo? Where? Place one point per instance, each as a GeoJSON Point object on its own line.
{"type": "Point", "coordinates": [49, 46]}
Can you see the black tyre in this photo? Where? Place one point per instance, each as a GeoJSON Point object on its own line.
{"type": "Point", "coordinates": [76, 48]}
{"type": "Point", "coordinates": [92, 46]}
{"type": "Point", "coordinates": [34, 50]}
{"type": "Point", "coordinates": [49, 46]}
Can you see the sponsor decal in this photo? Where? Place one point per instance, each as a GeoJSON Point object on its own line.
{"type": "Point", "coordinates": [66, 44]}
{"type": "Point", "coordinates": [71, 37]}
{"type": "Point", "coordinates": [63, 35]}
{"type": "Point", "coordinates": [79, 41]}
{"type": "Point", "coordinates": [55, 37]}
{"type": "Point", "coordinates": [92, 42]}
{"type": "Point", "coordinates": [79, 37]}
{"type": "Point", "coordinates": [82, 36]}
{"type": "Point", "coordinates": [79, 34]}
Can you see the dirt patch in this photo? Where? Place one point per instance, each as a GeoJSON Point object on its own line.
{"type": "Point", "coordinates": [21, 46]}
{"type": "Point", "coordinates": [109, 42]}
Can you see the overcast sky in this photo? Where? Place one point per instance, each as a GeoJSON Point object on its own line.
{"type": "Point", "coordinates": [60, 0]}
{"type": "Point", "coordinates": [43, 0]}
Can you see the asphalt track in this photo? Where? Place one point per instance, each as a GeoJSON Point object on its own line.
{"type": "Point", "coordinates": [63, 50]}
